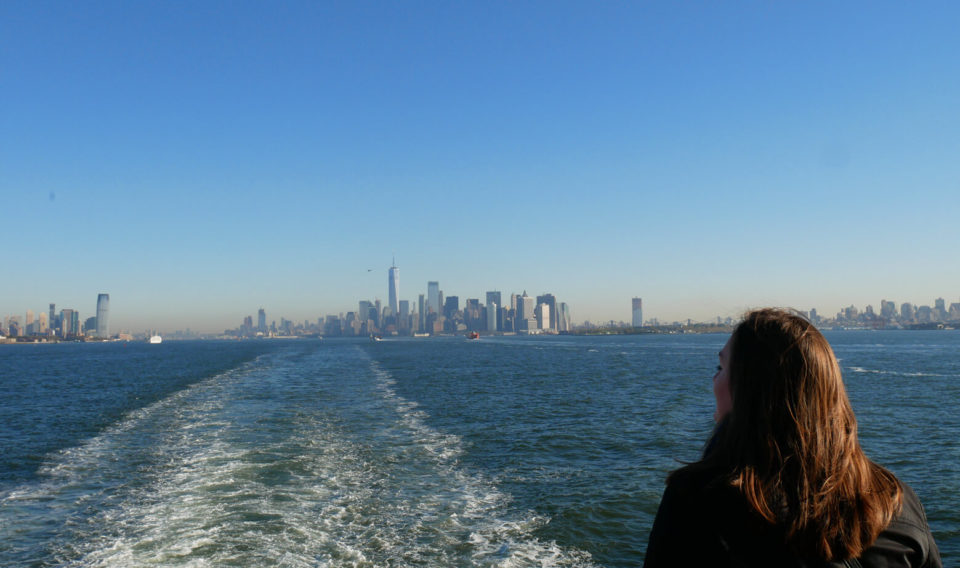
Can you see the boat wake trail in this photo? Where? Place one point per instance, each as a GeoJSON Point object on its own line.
{"type": "Point", "coordinates": [466, 517]}
{"type": "Point", "coordinates": [297, 459]}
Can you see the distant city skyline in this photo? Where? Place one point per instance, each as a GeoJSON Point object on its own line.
{"type": "Point", "coordinates": [937, 309]}
{"type": "Point", "coordinates": [199, 163]}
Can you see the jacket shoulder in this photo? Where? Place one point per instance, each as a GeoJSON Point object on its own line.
{"type": "Point", "coordinates": [907, 541]}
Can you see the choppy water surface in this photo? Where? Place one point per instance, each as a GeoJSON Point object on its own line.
{"type": "Point", "coordinates": [498, 452]}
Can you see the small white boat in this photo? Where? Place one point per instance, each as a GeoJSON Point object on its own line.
{"type": "Point", "coordinates": [155, 339]}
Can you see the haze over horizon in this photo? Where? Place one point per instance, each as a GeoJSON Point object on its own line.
{"type": "Point", "coordinates": [198, 162]}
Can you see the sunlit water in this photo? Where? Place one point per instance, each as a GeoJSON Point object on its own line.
{"type": "Point", "coordinates": [496, 452]}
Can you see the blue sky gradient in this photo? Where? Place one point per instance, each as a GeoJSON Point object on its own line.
{"type": "Point", "coordinates": [199, 161]}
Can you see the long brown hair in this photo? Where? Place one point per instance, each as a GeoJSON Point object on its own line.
{"type": "Point", "coordinates": [790, 446]}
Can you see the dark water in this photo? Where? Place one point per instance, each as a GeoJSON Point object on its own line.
{"type": "Point", "coordinates": [498, 452]}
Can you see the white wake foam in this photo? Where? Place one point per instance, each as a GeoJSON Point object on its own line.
{"type": "Point", "coordinates": [196, 480]}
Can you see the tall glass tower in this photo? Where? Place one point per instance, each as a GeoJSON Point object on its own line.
{"type": "Point", "coordinates": [393, 280]}
{"type": "Point", "coordinates": [103, 315]}
{"type": "Point", "coordinates": [637, 305]}
{"type": "Point", "coordinates": [433, 297]}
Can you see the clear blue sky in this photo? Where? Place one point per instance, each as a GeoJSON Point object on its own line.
{"type": "Point", "coordinates": [199, 160]}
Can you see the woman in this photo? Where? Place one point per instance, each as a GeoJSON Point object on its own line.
{"type": "Point", "coordinates": [783, 481]}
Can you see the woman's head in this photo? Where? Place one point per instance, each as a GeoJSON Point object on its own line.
{"type": "Point", "coordinates": [789, 440]}
{"type": "Point", "coordinates": [785, 381]}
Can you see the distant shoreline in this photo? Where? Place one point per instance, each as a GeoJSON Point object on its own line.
{"type": "Point", "coordinates": [646, 330]}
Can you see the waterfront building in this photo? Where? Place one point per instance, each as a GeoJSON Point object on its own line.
{"type": "Point", "coordinates": [13, 327]}
{"type": "Point", "coordinates": [403, 322]}
{"type": "Point", "coordinates": [494, 298]}
{"type": "Point", "coordinates": [421, 315]}
{"type": "Point", "coordinates": [333, 328]}
{"type": "Point", "coordinates": [262, 321]}
{"type": "Point", "coordinates": [393, 292]}
{"type": "Point", "coordinates": [519, 306]}
{"type": "Point", "coordinates": [103, 315]}
{"type": "Point", "coordinates": [907, 311]}
{"type": "Point", "coordinates": [551, 301]}
{"type": "Point", "coordinates": [43, 325]}
{"type": "Point", "coordinates": [492, 313]}
{"type": "Point", "coordinates": [472, 315]}
{"type": "Point", "coordinates": [851, 313]}
{"type": "Point", "coordinates": [451, 306]}
{"type": "Point", "coordinates": [53, 315]}
{"type": "Point", "coordinates": [368, 314]}
{"type": "Point", "coordinates": [952, 315]}
{"type": "Point", "coordinates": [69, 322]}
{"type": "Point", "coordinates": [888, 310]}
{"type": "Point", "coordinates": [637, 305]}
{"type": "Point", "coordinates": [940, 309]}
{"type": "Point", "coordinates": [543, 316]}
{"type": "Point", "coordinates": [507, 319]}
{"type": "Point", "coordinates": [433, 297]}
{"type": "Point", "coordinates": [564, 322]}
{"type": "Point", "coordinates": [526, 317]}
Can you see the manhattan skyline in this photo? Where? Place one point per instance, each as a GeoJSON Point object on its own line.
{"type": "Point", "coordinates": [199, 162]}
{"type": "Point", "coordinates": [887, 310]}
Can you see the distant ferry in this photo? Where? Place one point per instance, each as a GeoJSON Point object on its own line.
{"type": "Point", "coordinates": [155, 339]}
{"type": "Point", "coordinates": [474, 335]}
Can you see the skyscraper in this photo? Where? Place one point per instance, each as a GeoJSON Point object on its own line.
{"type": "Point", "coordinates": [393, 280]}
{"type": "Point", "coordinates": [433, 297]}
{"type": "Point", "coordinates": [365, 310]}
{"type": "Point", "coordinates": [525, 312]}
{"type": "Point", "coordinates": [551, 320]}
{"type": "Point", "coordinates": [103, 315]}
{"type": "Point", "coordinates": [421, 315]}
{"type": "Point", "coordinates": [451, 306]}
{"type": "Point", "coordinates": [907, 311]}
{"type": "Point", "coordinates": [69, 323]}
{"type": "Point", "coordinates": [403, 319]}
{"type": "Point", "coordinates": [492, 311]}
{"type": "Point", "coordinates": [638, 312]}
{"type": "Point", "coordinates": [543, 312]}
{"type": "Point", "coordinates": [261, 321]}
{"type": "Point", "coordinates": [563, 319]}
{"type": "Point", "coordinates": [888, 310]}
{"type": "Point", "coordinates": [940, 309]}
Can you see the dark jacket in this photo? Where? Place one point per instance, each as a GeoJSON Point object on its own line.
{"type": "Point", "coordinates": [702, 525]}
